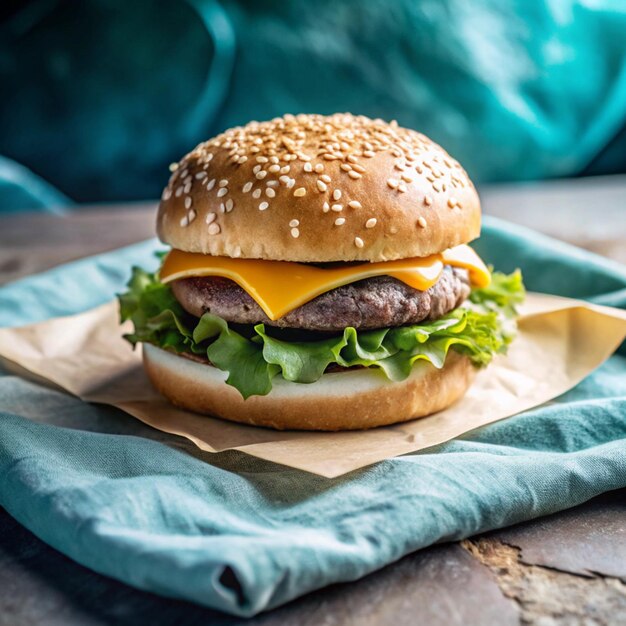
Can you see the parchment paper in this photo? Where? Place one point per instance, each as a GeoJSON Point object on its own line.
{"type": "Point", "coordinates": [560, 341]}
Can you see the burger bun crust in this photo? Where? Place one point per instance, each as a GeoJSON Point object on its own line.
{"type": "Point", "coordinates": [351, 400]}
{"type": "Point", "coordinates": [315, 188]}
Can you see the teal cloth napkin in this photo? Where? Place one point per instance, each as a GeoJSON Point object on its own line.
{"type": "Point", "coordinates": [244, 535]}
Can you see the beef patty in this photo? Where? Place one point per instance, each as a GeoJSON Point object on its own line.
{"type": "Point", "coordinates": [378, 302]}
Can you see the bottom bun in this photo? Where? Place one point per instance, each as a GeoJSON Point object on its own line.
{"type": "Point", "coordinates": [350, 400]}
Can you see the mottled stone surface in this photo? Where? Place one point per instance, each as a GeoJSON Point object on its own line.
{"type": "Point", "coordinates": [551, 567]}
{"type": "Point", "coordinates": [550, 597]}
{"type": "Point", "coordinates": [586, 540]}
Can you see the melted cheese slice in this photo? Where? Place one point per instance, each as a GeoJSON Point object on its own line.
{"type": "Point", "coordinates": [280, 286]}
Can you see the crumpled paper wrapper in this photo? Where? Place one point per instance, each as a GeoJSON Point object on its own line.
{"type": "Point", "coordinates": [560, 342]}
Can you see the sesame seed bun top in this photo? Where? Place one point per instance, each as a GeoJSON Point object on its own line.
{"type": "Point", "coordinates": [314, 188]}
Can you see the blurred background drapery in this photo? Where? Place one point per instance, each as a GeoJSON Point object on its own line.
{"type": "Point", "coordinates": [98, 96]}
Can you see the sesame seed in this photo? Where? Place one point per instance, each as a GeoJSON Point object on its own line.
{"type": "Point", "coordinates": [214, 229]}
{"type": "Point", "coordinates": [271, 147]}
{"type": "Point", "coordinates": [355, 204]}
{"type": "Point", "coordinates": [358, 242]}
{"type": "Point", "coordinates": [222, 207]}
{"type": "Point", "coordinates": [452, 202]}
{"type": "Point", "coordinates": [256, 194]}
{"type": "Point", "coordinates": [295, 233]}
{"type": "Point", "coordinates": [421, 222]}
{"type": "Point", "coordinates": [210, 184]}
{"type": "Point", "coordinates": [221, 192]}
{"type": "Point", "coordinates": [191, 215]}
{"type": "Point", "coordinates": [326, 207]}
{"type": "Point", "coordinates": [179, 192]}
{"type": "Point", "coordinates": [299, 192]}
{"type": "Point", "coordinates": [223, 182]}
{"type": "Point", "coordinates": [167, 194]}
{"type": "Point", "coordinates": [321, 185]}
{"type": "Point", "coordinates": [261, 175]}
{"type": "Point", "coordinates": [337, 207]}
{"type": "Point", "coordinates": [229, 205]}
{"type": "Point", "coordinates": [340, 221]}
{"type": "Point", "coordinates": [210, 217]}
{"type": "Point", "coordinates": [392, 182]}
{"type": "Point", "coordinates": [173, 167]}
{"type": "Point", "coordinates": [428, 200]}
{"type": "Point", "coordinates": [184, 221]}
{"type": "Point", "coordinates": [187, 202]}
{"type": "Point", "coordinates": [294, 223]}
{"type": "Point", "coordinates": [371, 222]}
{"type": "Point", "coordinates": [263, 206]}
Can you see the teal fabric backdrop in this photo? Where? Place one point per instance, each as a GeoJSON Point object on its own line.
{"type": "Point", "coordinates": [243, 535]}
{"type": "Point", "coordinates": [99, 96]}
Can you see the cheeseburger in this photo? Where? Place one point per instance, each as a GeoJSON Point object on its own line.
{"type": "Point", "coordinates": [319, 278]}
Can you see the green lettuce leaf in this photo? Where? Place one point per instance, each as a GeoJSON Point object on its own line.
{"type": "Point", "coordinates": [480, 329]}
{"type": "Point", "coordinates": [504, 293]}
